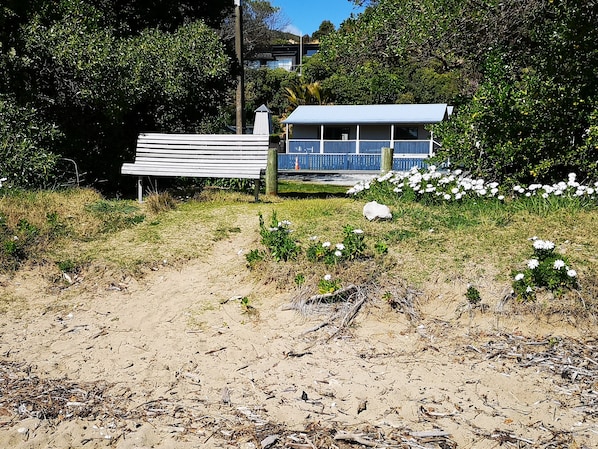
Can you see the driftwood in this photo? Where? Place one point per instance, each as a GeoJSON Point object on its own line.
{"type": "Point", "coordinates": [355, 438]}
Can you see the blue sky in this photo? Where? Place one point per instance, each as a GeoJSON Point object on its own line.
{"type": "Point", "coordinates": [305, 16]}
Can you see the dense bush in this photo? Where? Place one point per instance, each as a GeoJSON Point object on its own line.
{"type": "Point", "coordinates": [100, 79]}
{"type": "Point", "coordinates": [25, 142]}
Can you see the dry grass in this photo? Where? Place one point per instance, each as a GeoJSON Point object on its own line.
{"type": "Point", "coordinates": [427, 246]}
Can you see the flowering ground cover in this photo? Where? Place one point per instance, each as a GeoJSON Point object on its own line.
{"type": "Point", "coordinates": [434, 186]}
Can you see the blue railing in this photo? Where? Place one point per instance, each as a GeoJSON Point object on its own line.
{"type": "Point", "coordinates": [312, 146]}
{"type": "Point", "coordinates": [343, 162]}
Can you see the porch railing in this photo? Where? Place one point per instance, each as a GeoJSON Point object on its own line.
{"type": "Point", "coordinates": [341, 155]}
{"type": "Point", "coordinates": [344, 162]}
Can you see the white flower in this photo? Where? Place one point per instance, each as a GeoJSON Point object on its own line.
{"type": "Point", "coordinates": [272, 229]}
{"type": "Point", "coordinates": [340, 246]}
{"type": "Point", "coordinates": [327, 277]}
{"type": "Point", "coordinates": [337, 253]}
{"type": "Point", "coordinates": [519, 276]}
{"type": "Point", "coordinates": [529, 289]}
{"type": "Point", "coordinates": [286, 223]}
{"type": "Point", "coordinates": [447, 196]}
{"type": "Point", "coordinates": [314, 237]}
{"type": "Point", "coordinates": [571, 273]}
{"type": "Point", "coordinates": [326, 244]}
{"type": "Point", "coordinates": [558, 264]}
{"type": "Point", "coordinates": [543, 244]}
{"type": "Point", "coordinates": [357, 231]}
{"type": "Point", "coordinates": [501, 197]}
{"type": "Point", "coordinates": [533, 263]}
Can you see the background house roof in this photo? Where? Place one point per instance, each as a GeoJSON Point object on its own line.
{"type": "Point", "coordinates": [370, 114]}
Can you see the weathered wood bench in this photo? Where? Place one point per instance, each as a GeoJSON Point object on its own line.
{"type": "Point", "coordinates": [242, 156]}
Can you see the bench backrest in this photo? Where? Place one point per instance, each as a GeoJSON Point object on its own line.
{"type": "Point", "coordinates": [200, 155]}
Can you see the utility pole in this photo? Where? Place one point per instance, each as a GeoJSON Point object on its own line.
{"type": "Point", "coordinates": [301, 55]}
{"type": "Point", "coordinates": [240, 116]}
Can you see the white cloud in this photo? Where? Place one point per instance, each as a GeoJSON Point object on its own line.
{"type": "Point", "coordinates": [290, 28]}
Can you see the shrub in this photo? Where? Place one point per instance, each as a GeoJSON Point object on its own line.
{"type": "Point", "coordinates": [546, 269]}
{"type": "Point", "coordinates": [352, 247]}
{"type": "Point", "coordinates": [473, 295]}
{"type": "Point", "coordinates": [24, 141]}
{"type": "Point", "coordinates": [328, 285]}
{"type": "Point", "coordinates": [429, 186]}
{"type": "Point", "coordinates": [277, 239]}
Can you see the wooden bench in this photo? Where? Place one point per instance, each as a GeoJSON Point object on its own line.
{"type": "Point", "coordinates": [242, 156]}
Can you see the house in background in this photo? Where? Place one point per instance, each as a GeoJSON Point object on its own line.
{"type": "Point", "coordinates": [284, 56]}
{"type": "Point", "coordinates": [351, 137]}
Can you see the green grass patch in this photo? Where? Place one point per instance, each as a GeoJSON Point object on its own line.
{"type": "Point", "coordinates": [475, 242]}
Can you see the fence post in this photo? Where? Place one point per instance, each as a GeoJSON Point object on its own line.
{"type": "Point", "coordinates": [386, 160]}
{"type": "Point", "coordinates": [272, 172]}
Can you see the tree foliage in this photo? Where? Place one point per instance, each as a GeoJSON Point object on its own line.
{"type": "Point", "coordinates": [533, 116]}
{"type": "Point", "coordinates": [100, 72]}
{"type": "Point", "coordinates": [522, 74]}
{"type": "Point", "coordinates": [325, 28]}
{"type": "Point", "coordinates": [262, 23]}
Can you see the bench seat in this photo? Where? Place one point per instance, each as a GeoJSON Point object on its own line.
{"type": "Point", "coordinates": [243, 156]}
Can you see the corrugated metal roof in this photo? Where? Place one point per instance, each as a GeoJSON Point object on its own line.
{"type": "Point", "coordinates": [370, 114]}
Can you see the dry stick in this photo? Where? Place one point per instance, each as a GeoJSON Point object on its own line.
{"type": "Point", "coordinates": [341, 292]}
{"type": "Point", "coordinates": [355, 438]}
{"type": "Point", "coordinates": [349, 317]}
{"type": "Point", "coordinates": [321, 325]}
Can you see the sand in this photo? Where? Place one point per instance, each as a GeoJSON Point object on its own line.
{"type": "Point", "coordinates": [176, 361]}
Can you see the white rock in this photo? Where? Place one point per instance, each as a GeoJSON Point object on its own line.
{"type": "Point", "coordinates": [373, 210]}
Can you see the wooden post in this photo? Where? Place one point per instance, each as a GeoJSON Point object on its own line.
{"type": "Point", "coordinates": [386, 162]}
{"type": "Point", "coordinates": [272, 172]}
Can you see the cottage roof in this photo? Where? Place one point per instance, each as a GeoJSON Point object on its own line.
{"type": "Point", "coordinates": [370, 114]}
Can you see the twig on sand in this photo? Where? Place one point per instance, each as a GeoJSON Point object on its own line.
{"type": "Point", "coordinates": [341, 294]}
{"type": "Point", "coordinates": [355, 438]}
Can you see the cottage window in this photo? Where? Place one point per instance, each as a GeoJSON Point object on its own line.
{"type": "Point", "coordinates": [405, 133]}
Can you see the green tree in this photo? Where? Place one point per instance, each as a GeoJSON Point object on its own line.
{"type": "Point", "coordinates": [268, 86]}
{"type": "Point", "coordinates": [100, 77]}
{"type": "Point", "coordinates": [326, 27]}
{"type": "Point", "coordinates": [262, 23]}
{"type": "Point", "coordinates": [25, 139]}
{"type": "Point", "coordinates": [522, 75]}
{"type": "Point", "coordinates": [533, 116]}
{"type": "Point", "coordinates": [306, 93]}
